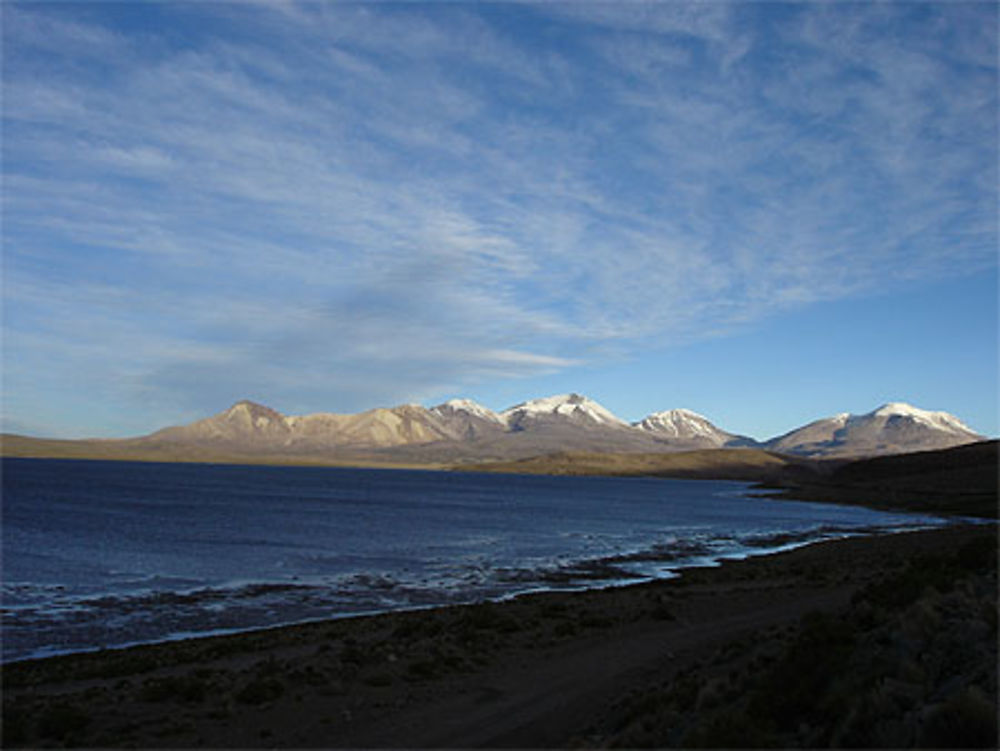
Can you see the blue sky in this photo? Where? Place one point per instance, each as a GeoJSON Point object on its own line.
{"type": "Point", "coordinates": [765, 212]}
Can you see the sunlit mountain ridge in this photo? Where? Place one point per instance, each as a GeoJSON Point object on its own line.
{"type": "Point", "coordinates": [461, 429]}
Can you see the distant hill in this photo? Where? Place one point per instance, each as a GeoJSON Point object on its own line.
{"type": "Point", "coordinates": [893, 428]}
{"type": "Point", "coordinates": [462, 431]}
{"type": "Point", "coordinates": [250, 427]}
{"type": "Point", "coordinates": [683, 424]}
{"type": "Point", "coordinates": [747, 464]}
{"type": "Point", "coordinates": [962, 480]}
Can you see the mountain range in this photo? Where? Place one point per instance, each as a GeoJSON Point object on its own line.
{"type": "Point", "coordinates": [460, 430]}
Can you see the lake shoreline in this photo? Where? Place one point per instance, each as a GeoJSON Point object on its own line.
{"type": "Point", "coordinates": [105, 555]}
{"type": "Point", "coordinates": [602, 575]}
{"type": "Point", "coordinates": [542, 670]}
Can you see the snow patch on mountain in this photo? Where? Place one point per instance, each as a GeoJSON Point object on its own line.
{"type": "Point", "coordinates": [679, 423]}
{"type": "Point", "coordinates": [468, 407]}
{"type": "Point", "coordinates": [557, 423]}
{"type": "Point", "coordinates": [893, 428]}
{"type": "Point", "coordinates": [937, 420]}
{"type": "Point", "coordinates": [573, 406]}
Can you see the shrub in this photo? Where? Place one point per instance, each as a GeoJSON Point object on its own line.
{"type": "Point", "coordinates": [978, 553]}
{"type": "Point", "coordinates": [967, 720]}
{"type": "Point", "coordinates": [379, 680]}
{"type": "Point", "coordinates": [488, 617]}
{"type": "Point", "coordinates": [260, 690]}
{"type": "Point", "coordinates": [903, 589]}
{"type": "Point", "coordinates": [600, 621]}
{"type": "Point", "coordinates": [60, 720]}
{"type": "Point", "coordinates": [735, 730]}
{"type": "Point", "coordinates": [354, 654]}
{"type": "Point", "coordinates": [14, 728]}
{"type": "Point", "coordinates": [415, 628]}
{"type": "Point", "coordinates": [564, 629]}
{"type": "Point", "coordinates": [788, 694]}
{"type": "Point", "coordinates": [182, 688]}
{"type": "Point", "coordinates": [421, 669]}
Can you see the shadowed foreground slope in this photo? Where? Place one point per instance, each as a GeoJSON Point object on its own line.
{"type": "Point", "coordinates": [865, 642]}
{"type": "Point", "coordinates": [958, 481]}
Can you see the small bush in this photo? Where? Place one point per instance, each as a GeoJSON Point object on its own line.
{"type": "Point", "coordinates": [565, 628]}
{"type": "Point", "coordinates": [379, 680]}
{"type": "Point", "coordinates": [788, 692]}
{"type": "Point", "coordinates": [905, 588]}
{"type": "Point", "coordinates": [968, 720]}
{"type": "Point", "coordinates": [269, 667]}
{"type": "Point", "coordinates": [126, 664]}
{"type": "Point", "coordinates": [14, 728]}
{"type": "Point", "coordinates": [60, 720]}
{"type": "Point", "coordinates": [354, 654]}
{"type": "Point", "coordinates": [554, 609]}
{"type": "Point", "coordinates": [978, 553]}
{"type": "Point", "coordinates": [683, 693]}
{"type": "Point", "coordinates": [487, 617]}
{"type": "Point", "coordinates": [309, 676]}
{"type": "Point", "coordinates": [415, 628]}
{"type": "Point", "coordinates": [421, 669]}
{"type": "Point", "coordinates": [181, 688]}
{"type": "Point", "coordinates": [260, 690]}
{"type": "Point", "coordinates": [660, 612]}
{"type": "Point", "coordinates": [736, 730]}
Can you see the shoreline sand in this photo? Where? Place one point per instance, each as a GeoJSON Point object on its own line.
{"type": "Point", "coordinates": [668, 662]}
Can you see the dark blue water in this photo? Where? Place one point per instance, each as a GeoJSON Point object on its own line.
{"type": "Point", "coordinates": [100, 554]}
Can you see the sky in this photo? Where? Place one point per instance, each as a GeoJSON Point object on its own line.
{"type": "Point", "coordinates": [765, 212]}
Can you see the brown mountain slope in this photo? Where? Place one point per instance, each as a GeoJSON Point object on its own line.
{"type": "Point", "coordinates": [144, 450]}
{"type": "Point", "coordinates": [250, 427]}
{"type": "Point", "coordinates": [722, 464]}
{"type": "Point", "coordinates": [462, 431]}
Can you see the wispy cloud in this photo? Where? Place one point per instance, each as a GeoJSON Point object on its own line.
{"type": "Point", "coordinates": [335, 205]}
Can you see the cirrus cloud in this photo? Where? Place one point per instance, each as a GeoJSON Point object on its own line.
{"type": "Point", "coordinates": [339, 205]}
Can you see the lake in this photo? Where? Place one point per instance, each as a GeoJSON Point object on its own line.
{"type": "Point", "coordinates": [105, 554]}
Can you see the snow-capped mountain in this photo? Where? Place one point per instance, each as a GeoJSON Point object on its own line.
{"type": "Point", "coordinates": [561, 408]}
{"type": "Point", "coordinates": [468, 419]}
{"type": "Point", "coordinates": [467, 407]}
{"type": "Point", "coordinates": [685, 425]}
{"type": "Point", "coordinates": [937, 420]}
{"type": "Point", "coordinates": [455, 429]}
{"type": "Point", "coordinates": [893, 428]}
{"type": "Point", "coordinates": [461, 429]}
